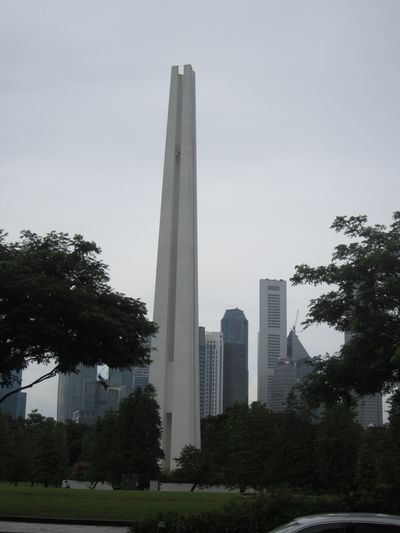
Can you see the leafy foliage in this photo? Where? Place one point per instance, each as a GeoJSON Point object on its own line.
{"type": "Point", "coordinates": [56, 306]}
{"type": "Point", "coordinates": [364, 300]}
{"type": "Point", "coordinates": [127, 442]}
{"type": "Point", "coordinates": [336, 448]}
{"type": "Point", "coordinates": [261, 513]}
{"type": "Point", "coordinates": [139, 435]}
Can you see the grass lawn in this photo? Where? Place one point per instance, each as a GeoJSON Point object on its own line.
{"type": "Point", "coordinates": [38, 501]}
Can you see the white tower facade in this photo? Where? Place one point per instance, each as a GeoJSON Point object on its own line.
{"type": "Point", "coordinates": [272, 343]}
{"type": "Point", "coordinates": [175, 368]}
{"type": "Point", "coordinates": [213, 375]}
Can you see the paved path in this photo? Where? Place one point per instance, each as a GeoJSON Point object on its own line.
{"type": "Point", "coordinates": [29, 527]}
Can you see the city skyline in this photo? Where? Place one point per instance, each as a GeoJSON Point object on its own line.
{"type": "Point", "coordinates": [297, 123]}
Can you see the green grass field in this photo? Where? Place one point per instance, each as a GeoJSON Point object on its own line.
{"type": "Point", "coordinates": [38, 501]}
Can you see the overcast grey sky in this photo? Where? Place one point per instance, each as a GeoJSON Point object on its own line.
{"type": "Point", "coordinates": [298, 121]}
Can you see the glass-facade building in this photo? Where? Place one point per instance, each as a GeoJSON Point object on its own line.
{"type": "Point", "coordinates": [235, 329]}
{"type": "Point", "coordinates": [15, 404]}
{"type": "Point", "coordinates": [213, 374]}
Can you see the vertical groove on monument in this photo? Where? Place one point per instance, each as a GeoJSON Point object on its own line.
{"type": "Point", "coordinates": [174, 371]}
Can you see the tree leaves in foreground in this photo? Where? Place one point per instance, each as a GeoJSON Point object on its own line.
{"type": "Point", "coordinates": [365, 301]}
{"type": "Point", "coordinates": [56, 306]}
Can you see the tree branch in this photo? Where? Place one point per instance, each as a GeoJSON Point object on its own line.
{"type": "Point", "coordinates": [49, 375]}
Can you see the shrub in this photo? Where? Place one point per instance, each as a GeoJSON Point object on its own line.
{"type": "Point", "coordinates": [261, 513]}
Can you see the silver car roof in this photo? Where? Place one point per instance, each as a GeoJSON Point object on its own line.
{"type": "Point", "coordinates": [351, 517]}
{"type": "Point", "coordinates": [372, 518]}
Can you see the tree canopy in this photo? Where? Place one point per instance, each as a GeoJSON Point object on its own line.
{"type": "Point", "coordinates": [365, 302]}
{"type": "Point", "coordinates": [126, 443]}
{"type": "Point", "coordinates": [56, 306]}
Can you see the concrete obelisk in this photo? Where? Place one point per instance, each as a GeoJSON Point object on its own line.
{"type": "Point", "coordinates": [175, 368]}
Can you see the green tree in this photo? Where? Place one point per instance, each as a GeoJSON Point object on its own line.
{"type": "Point", "coordinates": [103, 451]}
{"type": "Point", "coordinates": [5, 447]}
{"type": "Point", "coordinates": [294, 437]}
{"type": "Point", "coordinates": [213, 448]}
{"type": "Point", "coordinates": [250, 445]}
{"type": "Point", "coordinates": [191, 467]}
{"type": "Point", "coordinates": [48, 445]}
{"type": "Point", "coordinates": [367, 467]}
{"type": "Point", "coordinates": [44, 461]}
{"type": "Point", "coordinates": [365, 300]}
{"type": "Point", "coordinates": [140, 435]}
{"type": "Point", "coordinates": [57, 308]}
{"type": "Point", "coordinates": [20, 456]}
{"type": "Point", "coordinates": [75, 438]}
{"type": "Point", "coordinates": [336, 448]}
{"type": "Point", "coordinates": [392, 442]}
{"type": "Point", "coordinates": [60, 452]}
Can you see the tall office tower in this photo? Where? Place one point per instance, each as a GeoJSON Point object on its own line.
{"type": "Point", "coordinates": [202, 370]}
{"type": "Point", "coordinates": [213, 373]}
{"type": "Point", "coordinates": [297, 352]}
{"type": "Point", "coordinates": [141, 373]}
{"type": "Point", "coordinates": [77, 396]}
{"type": "Point", "coordinates": [15, 404]}
{"type": "Point", "coordinates": [285, 378]}
{"type": "Point", "coordinates": [121, 378]}
{"type": "Point", "coordinates": [175, 368]}
{"type": "Point", "coordinates": [235, 328]}
{"type": "Point", "coordinates": [119, 386]}
{"type": "Point", "coordinates": [289, 371]}
{"type": "Point", "coordinates": [369, 409]}
{"type": "Point", "coordinates": [272, 341]}
{"type": "Point", "coordinates": [140, 376]}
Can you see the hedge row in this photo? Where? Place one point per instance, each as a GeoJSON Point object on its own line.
{"type": "Point", "coordinates": [267, 511]}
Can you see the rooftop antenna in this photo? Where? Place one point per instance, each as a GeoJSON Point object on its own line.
{"type": "Point", "coordinates": [295, 322]}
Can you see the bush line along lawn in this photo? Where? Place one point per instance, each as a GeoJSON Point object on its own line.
{"type": "Point", "coordinates": [38, 501]}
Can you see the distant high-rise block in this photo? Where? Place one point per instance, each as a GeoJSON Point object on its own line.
{"type": "Point", "coordinates": [213, 374]}
{"type": "Point", "coordinates": [202, 371]}
{"type": "Point", "coordinates": [119, 386]}
{"type": "Point", "coordinates": [175, 368]}
{"type": "Point", "coordinates": [272, 342]}
{"type": "Point", "coordinates": [15, 404]}
{"type": "Point", "coordinates": [141, 373]}
{"type": "Point", "coordinates": [141, 376]}
{"type": "Point", "coordinates": [83, 399]}
{"type": "Point", "coordinates": [369, 410]}
{"type": "Point", "coordinates": [77, 393]}
{"type": "Point", "coordinates": [297, 352]}
{"type": "Point", "coordinates": [289, 371]}
{"type": "Point", "coordinates": [234, 326]}
{"type": "Point", "coordinates": [285, 378]}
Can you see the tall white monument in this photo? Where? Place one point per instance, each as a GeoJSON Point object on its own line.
{"type": "Point", "coordinates": [175, 368]}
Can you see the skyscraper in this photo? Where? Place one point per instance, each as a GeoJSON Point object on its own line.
{"type": "Point", "coordinates": [213, 374]}
{"type": "Point", "coordinates": [283, 381]}
{"type": "Point", "coordinates": [15, 404]}
{"type": "Point", "coordinates": [77, 393]}
{"type": "Point", "coordinates": [118, 387]}
{"type": "Point", "coordinates": [202, 370]}
{"type": "Point", "coordinates": [175, 368]}
{"type": "Point", "coordinates": [83, 399]}
{"type": "Point", "coordinates": [234, 326]}
{"type": "Point", "coordinates": [297, 352]}
{"type": "Point", "coordinates": [140, 376]}
{"type": "Point", "coordinates": [289, 371]}
{"type": "Point", "coordinates": [272, 341]}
